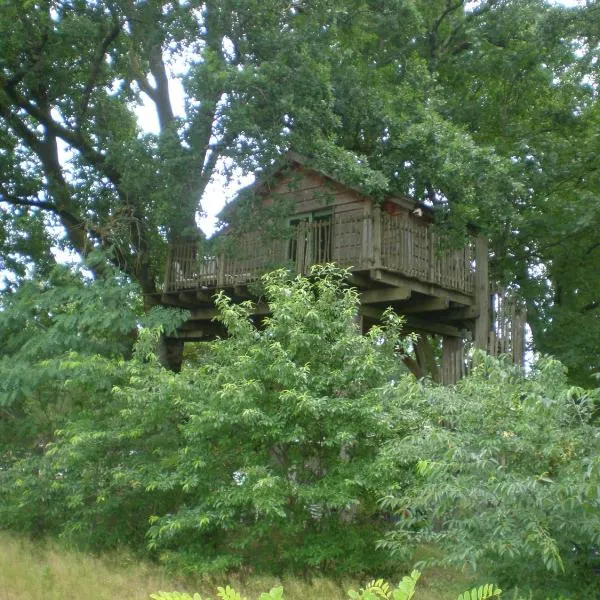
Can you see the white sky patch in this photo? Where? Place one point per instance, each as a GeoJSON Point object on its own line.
{"type": "Point", "coordinates": [220, 190]}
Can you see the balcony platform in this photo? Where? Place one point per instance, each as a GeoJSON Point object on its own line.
{"type": "Point", "coordinates": [394, 260]}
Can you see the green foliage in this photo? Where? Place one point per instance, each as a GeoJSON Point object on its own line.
{"type": "Point", "coordinates": [175, 596]}
{"type": "Point", "coordinates": [505, 475]}
{"type": "Point", "coordinates": [275, 593]}
{"type": "Point", "coordinates": [67, 338]}
{"type": "Point", "coordinates": [266, 454]}
{"type": "Point", "coordinates": [481, 593]}
{"type": "Point", "coordinates": [275, 450]}
{"type": "Point", "coordinates": [378, 589]}
{"type": "Point", "coordinates": [225, 593]}
{"type": "Point", "coordinates": [280, 432]}
{"type": "Point", "coordinates": [517, 86]}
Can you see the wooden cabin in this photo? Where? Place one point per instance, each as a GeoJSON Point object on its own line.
{"type": "Point", "coordinates": [395, 256]}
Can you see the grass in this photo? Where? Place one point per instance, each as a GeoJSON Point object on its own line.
{"type": "Point", "coordinates": [45, 571]}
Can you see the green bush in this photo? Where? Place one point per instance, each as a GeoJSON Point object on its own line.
{"type": "Point", "coordinates": [506, 474]}
{"type": "Point", "coordinates": [280, 433]}
{"type": "Point", "coordinates": [294, 446]}
{"type": "Point", "coordinates": [264, 456]}
{"type": "Point", "coordinates": [66, 341]}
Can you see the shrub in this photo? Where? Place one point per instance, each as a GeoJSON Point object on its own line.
{"type": "Point", "coordinates": [67, 339]}
{"type": "Point", "coordinates": [506, 473]}
{"type": "Point", "coordinates": [264, 456]}
{"type": "Point", "coordinates": [281, 429]}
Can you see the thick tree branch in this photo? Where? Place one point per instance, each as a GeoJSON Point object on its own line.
{"type": "Point", "coordinates": [450, 8]}
{"type": "Point", "coordinates": [72, 222]}
{"type": "Point", "coordinates": [97, 62]}
{"type": "Point", "coordinates": [78, 230]}
{"type": "Point", "coordinates": [162, 99]}
{"type": "Point", "coordinates": [143, 23]}
{"type": "Point", "coordinates": [9, 198]}
{"type": "Point", "coordinates": [73, 138]}
{"type": "Point", "coordinates": [22, 131]}
{"type": "Point", "coordinates": [66, 216]}
{"type": "Point", "coordinates": [591, 306]}
{"type": "Point", "coordinates": [434, 31]}
{"type": "Point", "coordinates": [139, 76]}
{"type": "Point", "coordinates": [209, 166]}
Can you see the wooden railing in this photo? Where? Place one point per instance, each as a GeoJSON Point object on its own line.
{"type": "Point", "coordinates": [398, 243]}
{"type": "Point", "coordinates": [411, 247]}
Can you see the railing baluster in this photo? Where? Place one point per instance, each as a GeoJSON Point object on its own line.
{"type": "Point", "coordinates": [405, 245]}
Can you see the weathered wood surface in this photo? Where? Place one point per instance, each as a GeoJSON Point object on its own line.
{"type": "Point", "coordinates": [409, 246]}
{"type": "Point", "coordinates": [482, 294]}
{"type": "Point", "coordinates": [355, 239]}
{"type": "Point", "coordinates": [508, 322]}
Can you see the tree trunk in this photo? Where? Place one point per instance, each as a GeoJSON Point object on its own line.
{"type": "Point", "coordinates": [426, 358]}
{"type": "Point", "coordinates": [170, 353]}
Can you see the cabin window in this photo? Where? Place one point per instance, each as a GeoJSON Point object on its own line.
{"type": "Point", "coordinates": [310, 240]}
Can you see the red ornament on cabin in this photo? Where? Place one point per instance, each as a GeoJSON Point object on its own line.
{"type": "Point", "coordinates": [391, 208]}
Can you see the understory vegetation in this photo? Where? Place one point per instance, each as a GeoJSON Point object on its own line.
{"type": "Point", "coordinates": [297, 447]}
{"type": "Point", "coordinates": [46, 570]}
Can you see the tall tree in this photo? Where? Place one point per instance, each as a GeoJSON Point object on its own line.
{"type": "Point", "coordinates": [529, 88]}
{"type": "Point", "coordinates": [73, 74]}
{"type": "Point", "coordinates": [73, 151]}
{"type": "Point", "coordinates": [474, 107]}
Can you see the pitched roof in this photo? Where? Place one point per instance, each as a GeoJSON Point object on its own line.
{"type": "Point", "coordinates": [264, 185]}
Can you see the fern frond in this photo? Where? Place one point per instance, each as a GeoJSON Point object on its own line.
{"type": "Point", "coordinates": [379, 587]}
{"type": "Point", "coordinates": [484, 592]}
{"type": "Point", "coordinates": [228, 593]}
{"type": "Point", "coordinates": [275, 593]}
{"type": "Point", "coordinates": [406, 588]}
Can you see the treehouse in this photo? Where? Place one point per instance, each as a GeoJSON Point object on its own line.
{"type": "Point", "coordinates": [395, 256]}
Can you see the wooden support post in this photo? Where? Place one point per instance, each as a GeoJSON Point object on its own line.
{"type": "Point", "coordinates": [221, 271]}
{"type": "Point", "coordinates": [376, 235]}
{"type": "Point", "coordinates": [482, 294]}
{"type": "Point", "coordinates": [518, 335]}
{"type": "Point", "coordinates": [301, 233]}
{"type": "Point", "coordinates": [168, 266]}
{"type": "Point", "coordinates": [432, 254]}
{"type": "Point", "coordinates": [452, 360]}
{"type": "Point", "coordinates": [170, 353]}
{"type": "Point", "coordinates": [359, 320]}
{"type": "Point", "coordinates": [425, 357]}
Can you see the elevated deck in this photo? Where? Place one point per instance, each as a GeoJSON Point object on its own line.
{"type": "Point", "coordinates": [395, 260]}
{"type": "Point", "coordinates": [398, 244]}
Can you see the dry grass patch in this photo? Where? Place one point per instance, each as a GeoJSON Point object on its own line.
{"type": "Point", "coordinates": [45, 571]}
